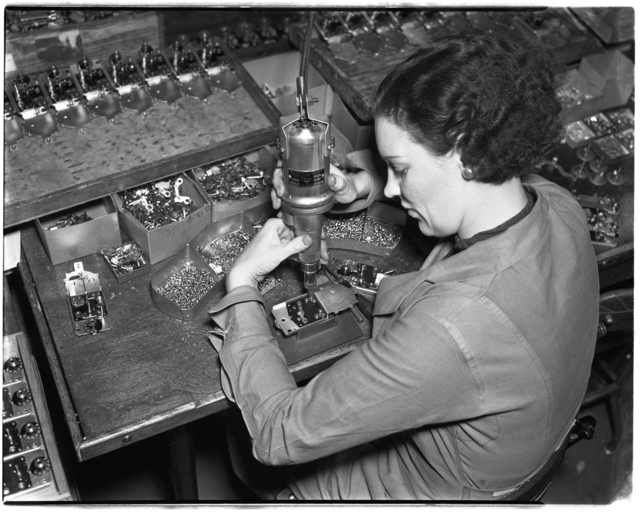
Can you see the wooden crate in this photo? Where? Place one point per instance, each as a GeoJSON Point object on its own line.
{"type": "Point", "coordinates": [36, 51]}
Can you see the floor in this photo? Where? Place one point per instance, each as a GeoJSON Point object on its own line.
{"type": "Point", "coordinates": [588, 474]}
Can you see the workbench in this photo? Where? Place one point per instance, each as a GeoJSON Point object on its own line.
{"type": "Point", "coordinates": [151, 372]}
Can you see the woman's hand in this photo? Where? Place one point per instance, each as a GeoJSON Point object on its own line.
{"type": "Point", "coordinates": [273, 244]}
{"type": "Point", "coordinates": [346, 187]}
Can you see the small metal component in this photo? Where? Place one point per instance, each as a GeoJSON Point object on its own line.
{"type": "Point", "coordinates": [65, 97]}
{"type": "Point", "coordinates": [40, 466]}
{"type": "Point", "coordinates": [30, 430]}
{"type": "Point", "coordinates": [125, 259]}
{"type": "Point", "coordinates": [159, 75]}
{"type": "Point", "coordinates": [616, 177]}
{"type": "Point", "coordinates": [34, 107]}
{"type": "Point", "coordinates": [13, 365]}
{"type": "Point", "coordinates": [99, 91]}
{"type": "Point", "coordinates": [599, 124]}
{"type": "Point", "coordinates": [585, 153]}
{"type": "Point", "coordinates": [22, 397]}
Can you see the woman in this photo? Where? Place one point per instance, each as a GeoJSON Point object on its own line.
{"type": "Point", "coordinates": [478, 361]}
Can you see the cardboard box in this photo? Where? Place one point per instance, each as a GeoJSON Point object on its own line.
{"type": "Point", "coordinates": [168, 307]}
{"type": "Point", "coordinates": [278, 74]}
{"type": "Point", "coordinates": [165, 241]}
{"type": "Point", "coordinates": [584, 99]}
{"type": "Point", "coordinates": [73, 242]}
{"type": "Point", "coordinates": [360, 136]}
{"type": "Point", "coordinates": [612, 73]}
{"type": "Point", "coordinates": [378, 212]}
{"type": "Point", "coordinates": [256, 209]}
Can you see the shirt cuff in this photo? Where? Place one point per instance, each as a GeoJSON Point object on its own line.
{"type": "Point", "coordinates": [219, 312]}
{"type": "Point", "coordinates": [371, 163]}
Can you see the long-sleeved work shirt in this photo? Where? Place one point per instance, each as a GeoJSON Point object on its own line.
{"type": "Point", "coordinates": [476, 368]}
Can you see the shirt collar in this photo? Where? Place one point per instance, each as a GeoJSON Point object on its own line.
{"type": "Point", "coordinates": [483, 258]}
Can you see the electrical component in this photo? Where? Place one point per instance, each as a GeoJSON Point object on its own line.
{"type": "Point", "coordinates": [305, 144]}
{"type": "Point", "coordinates": [65, 97]}
{"type": "Point", "coordinates": [317, 310]}
{"type": "Point", "coordinates": [99, 92]}
{"type": "Point", "coordinates": [160, 77]}
{"type": "Point", "coordinates": [126, 261]}
{"type": "Point", "coordinates": [189, 71]}
{"type": "Point", "coordinates": [13, 131]}
{"type": "Point", "coordinates": [215, 62]}
{"type": "Point", "coordinates": [34, 107]}
{"type": "Point", "coordinates": [130, 83]}
{"type": "Point", "coordinates": [87, 304]}
{"type": "Point", "coordinates": [27, 455]}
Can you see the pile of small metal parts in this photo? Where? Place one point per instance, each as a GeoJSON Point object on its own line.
{"type": "Point", "coordinates": [268, 283]}
{"type": "Point", "coordinates": [380, 233]}
{"type": "Point", "coordinates": [223, 251]}
{"type": "Point", "coordinates": [344, 225]}
{"type": "Point", "coordinates": [158, 204]}
{"type": "Point", "coordinates": [27, 20]}
{"type": "Point", "coordinates": [246, 34]}
{"type": "Point", "coordinates": [125, 259]}
{"type": "Point", "coordinates": [235, 179]}
{"type": "Point", "coordinates": [350, 32]}
{"type": "Point", "coordinates": [70, 220]}
{"type": "Point", "coordinates": [360, 227]}
{"type": "Point", "coordinates": [187, 286]}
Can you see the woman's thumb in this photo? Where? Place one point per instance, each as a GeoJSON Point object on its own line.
{"type": "Point", "coordinates": [336, 183]}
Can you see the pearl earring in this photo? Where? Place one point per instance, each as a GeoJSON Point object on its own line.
{"type": "Point", "coordinates": [468, 173]}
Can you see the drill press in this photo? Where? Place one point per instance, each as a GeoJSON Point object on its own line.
{"type": "Point", "coordinates": [305, 144]}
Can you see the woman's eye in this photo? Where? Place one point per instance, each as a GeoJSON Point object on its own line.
{"type": "Point", "coordinates": [399, 173]}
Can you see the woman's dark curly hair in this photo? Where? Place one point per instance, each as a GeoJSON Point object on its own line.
{"type": "Point", "coordinates": [493, 97]}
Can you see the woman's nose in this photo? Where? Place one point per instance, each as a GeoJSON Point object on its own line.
{"type": "Point", "coordinates": [392, 188]}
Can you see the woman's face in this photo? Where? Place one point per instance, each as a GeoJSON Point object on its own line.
{"type": "Point", "coordinates": [431, 188]}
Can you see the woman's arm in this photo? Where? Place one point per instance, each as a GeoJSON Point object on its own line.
{"type": "Point", "coordinates": [410, 375]}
